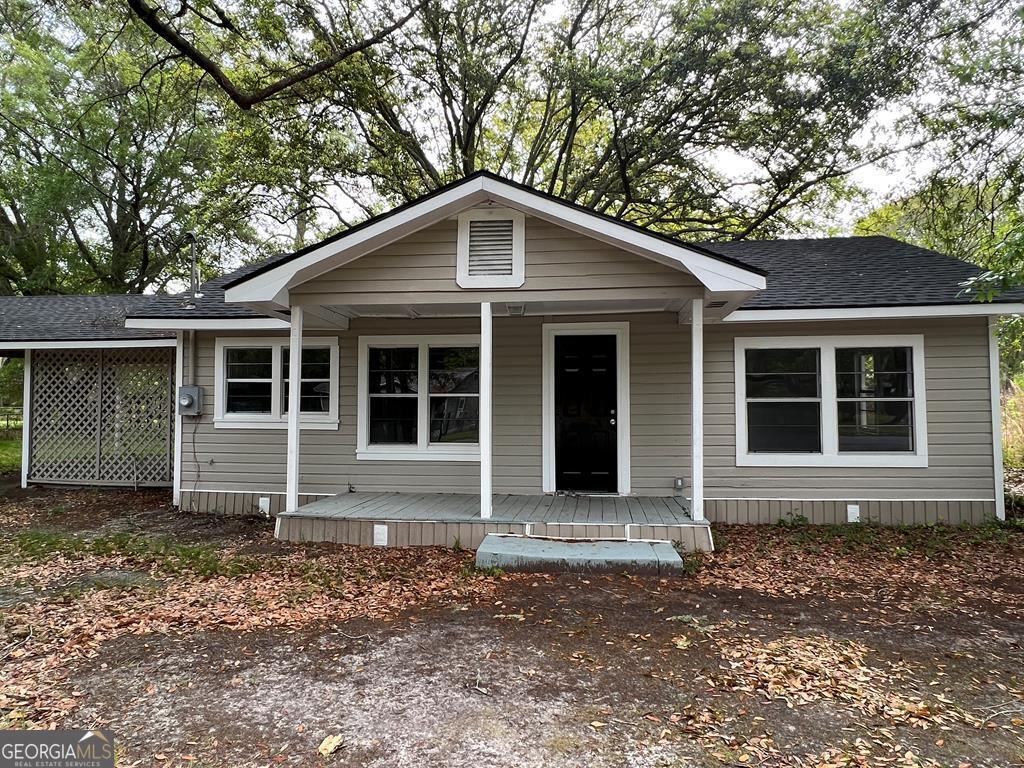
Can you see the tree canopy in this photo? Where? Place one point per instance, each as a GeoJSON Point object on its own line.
{"type": "Point", "coordinates": [263, 125]}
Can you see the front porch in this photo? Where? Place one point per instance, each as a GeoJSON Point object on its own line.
{"type": "Point", "coordinates": [573, 406]}
{"type": "Point", "coordinates": [442, 519]}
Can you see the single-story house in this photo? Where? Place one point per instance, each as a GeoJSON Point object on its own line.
{"type": "Point", "coordinates": [491, 358]}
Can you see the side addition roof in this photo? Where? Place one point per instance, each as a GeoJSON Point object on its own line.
{"type": "Point", "coordinates": [31, 321]}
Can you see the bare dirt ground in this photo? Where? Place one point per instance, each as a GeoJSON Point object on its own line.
{"type": "Point", "coordinates": [202, 641]}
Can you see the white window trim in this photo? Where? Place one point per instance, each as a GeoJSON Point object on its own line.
{"type": "Point", "coordinates": [621, 333]}
{"type": "Point", "coordinates": [830, 455]}
{"type": "Point", "coordinates": [278, 418]}
{"type": "Point", "coordinates": [518, 276]}
{"type": "Point", "coordinates": [424, 450]}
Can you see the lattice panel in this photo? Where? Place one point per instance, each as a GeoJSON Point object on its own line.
{"type": "Point", "coordinates": [135, 416]}
{"type": "Point", "coordinates": [102, 416]}
{"type": "Point", "coordinates": [64, 416]}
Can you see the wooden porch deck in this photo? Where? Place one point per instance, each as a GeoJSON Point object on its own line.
{"type": "Point", "coordinates": [507, 508]}
{"type": "Point", "coordinates": [442, 519]}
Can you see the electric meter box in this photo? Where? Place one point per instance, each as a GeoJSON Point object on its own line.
{"type": "Point", "coordinates": [190, 401]}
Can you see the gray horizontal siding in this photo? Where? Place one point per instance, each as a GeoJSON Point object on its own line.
{"type": "Point", "coordinates": [247, 460]}
{"type": "Point", "coordinates": [559, 263]}
{"type": "Point", "coordinates": [959, 420]}
{"type": "Point", "coordinates": [959, 427]}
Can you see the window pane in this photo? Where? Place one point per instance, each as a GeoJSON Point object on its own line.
{"type": "Point", "coordinates": [393, 420]}
{"type": "Point", "coordinates": [316, 363]}
{"type": "Point", "coordinates": [454, 419]}
{"type": "Point", "coordinates": [454, 369]}
{"type": "Point", "coordinates": [393, 371]}
{"type": "Point", "coordinates": [250, 363]}
{"type": "Point", "coordinates": [784, 427]}
{"type": "Point", "coordinates": [874, 384]}
{"type": "Point", "coordinates": [782, 385]}
{"type": "Point", "coordinates": [314, 397]}
{"type": "Point", "coordinates": [782, 373]}
{"type": "Point", "coordinates": [782, 360]}
{"type": "Point", "coordinates": [874, 372]}
{"type": "Point", "coordinates": [876, 425]}
{"type": "Point", "coordinates": [248, 397]}
{"type": "Point", "coordinates": [877, 359]}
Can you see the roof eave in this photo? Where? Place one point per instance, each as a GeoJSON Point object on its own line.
{"type": "Point", "coordinates": [977, 309]}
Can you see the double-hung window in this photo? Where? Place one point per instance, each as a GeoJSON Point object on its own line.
{"type": "Point", "coordinates": [831, 401]}
{"type": "Point", "coordinates": [875, 392]}
{"type": "Point", "coordinates": [419, 397]}
{"type": "Point", "coordinates": [783, 400]}
{"type": "Point", "coordinates": [316, 385]}
{"type": "Point", "coordinates": [252, 381]}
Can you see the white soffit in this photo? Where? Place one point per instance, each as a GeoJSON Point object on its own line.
{"type": "Point", "coordinates": [273, 285]}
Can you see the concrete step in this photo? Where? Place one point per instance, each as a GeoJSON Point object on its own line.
{"type": "Point", "coordinates": [526, 553]}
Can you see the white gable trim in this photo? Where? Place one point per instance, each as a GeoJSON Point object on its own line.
{"type": "Point", "coordinates": [273, 285]}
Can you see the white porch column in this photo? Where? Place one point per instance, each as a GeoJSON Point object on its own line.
{"type": "Point", "coordinates": [26, 418]}
{"type": "Point", "coordinates": [294, 404]}
{"type": "Point", "coordinates": [179, 380]}
{"type": "Point", "coordinates": [486, 352]}
{"type": "Point", "coordinates": [997, 417]}
{"type": "Point", "coordinates": [697, 408]}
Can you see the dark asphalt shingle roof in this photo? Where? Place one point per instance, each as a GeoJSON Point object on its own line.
{"type": "Point", "coordinates": [72, 318]}
{"type": "Point", "coordinates": [209, 305]}
{"type": "Point", "coordinates": [801, 274]}
{"type": "Point", "coordinates": [871, 271]}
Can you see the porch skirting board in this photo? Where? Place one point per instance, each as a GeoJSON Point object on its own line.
{"type": "Point", "coordinates": [236, 503]}
{"type": "Point", "coordinates": [734, 511]}
{"type": "Point", "coordinates": [832, 511]}
{"type": "Point", "coordinates": [469, 535]}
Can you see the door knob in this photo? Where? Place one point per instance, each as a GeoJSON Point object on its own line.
{"type": "Point", "coordinates": [612, 422]}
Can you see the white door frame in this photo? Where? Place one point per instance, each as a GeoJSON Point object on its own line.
{"type": "Point", "coordinates": [621, 332]}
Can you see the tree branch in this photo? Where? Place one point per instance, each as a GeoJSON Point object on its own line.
{"type": "Point", "coordinates": [246, 100]}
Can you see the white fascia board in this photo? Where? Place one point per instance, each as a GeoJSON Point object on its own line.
{"type": "Point", "coordinates": [273, 285]}
{"type": "Point", "coordinates": [208, 323]}
{"type": "Point", "coordinates": [714, 274]}
{"type": "Point", "coordinates": [873, 313]}
{"type": "Point", "coordinates": [90, 344]}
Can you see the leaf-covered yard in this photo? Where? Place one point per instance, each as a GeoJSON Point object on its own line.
{"type": "Point", "coordinates": [202, 641]}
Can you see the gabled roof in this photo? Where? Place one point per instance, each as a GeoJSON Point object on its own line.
{"type": "Point", "coordinates": [269, 283]}
{"type": "Point", "coordinates": [72, 318]}
{"type": "Point", "coordinates": [853, 272]}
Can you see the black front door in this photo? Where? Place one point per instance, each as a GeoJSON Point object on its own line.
{"type": "Point", "coordinates": [585, 401]}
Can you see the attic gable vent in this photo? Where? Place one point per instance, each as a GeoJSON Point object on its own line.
{"type": "Point", "coordinates": [491, 249]}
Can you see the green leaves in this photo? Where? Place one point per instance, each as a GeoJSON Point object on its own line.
{"type": "Point", "coordinates": [706, 119]}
